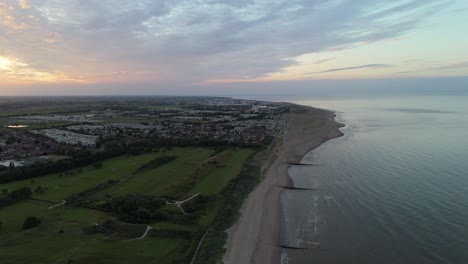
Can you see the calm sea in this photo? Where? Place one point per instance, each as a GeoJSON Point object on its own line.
{"type": "Point", "coordinates": [394, 189]}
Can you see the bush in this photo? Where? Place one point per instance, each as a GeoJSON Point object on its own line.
{"type": "Point", "coordinates": [139, 208]}
{"type": "Point", "coordinates": [170, 233]}
{"type": "Point", "coordinates": [31, 222]}
{"type": "Point", "coordinates": [16, 195]}
{"type": "Point", "coordinates": [22, 193]}
{"type": "Point", "coordinates": [5, 201]}
{"type": "Point", "coordinates": [198, 203]}
{"type": "Point", "coordinates": [105, 228]}
{"type": "Point", "coordinates": [40, 190]}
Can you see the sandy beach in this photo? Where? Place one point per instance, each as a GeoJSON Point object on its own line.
{"type": "Point", "coordinates": [255, 237]}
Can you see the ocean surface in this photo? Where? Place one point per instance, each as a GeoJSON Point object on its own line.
{"type": "Point", "coordinates": [394, 189]}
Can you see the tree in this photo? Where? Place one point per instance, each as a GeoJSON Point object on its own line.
{"type": "Point", "coordinates": [5, 201]}
{"type": "Point", "coordinates": [106, 228]}
{"type": "Point", "coordinates": [143, 214]}
{"type": "Point", "coordinates": [31, 222]}
{"type": "Point", "coordinates": [11, 166]}
{"type": "Point", "coordinates": [22, 193]}
{"type": "Point", "coordinates": [39, 189]}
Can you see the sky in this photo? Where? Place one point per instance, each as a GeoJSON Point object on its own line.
{"type": "Point", "coordinates": [53, 47]}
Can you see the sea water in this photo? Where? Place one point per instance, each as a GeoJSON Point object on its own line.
{"type": "Point", "coordinates": [393, 189]}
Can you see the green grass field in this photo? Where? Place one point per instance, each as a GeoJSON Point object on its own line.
{"type": "Point", "coordinates": [60, 237]}
{"type": "Point", "coordinates": [228, 165]}
{"type": "Point", "coordinates": [60, 187]}
{"type": "Point", "coordinates": [45, 244]}
{"type": "Point", "coordinates": [161, 180]}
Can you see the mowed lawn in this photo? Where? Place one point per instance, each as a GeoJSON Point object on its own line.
{"type": "Point", "coordinates": [164, 179]}
{"type": "Point", "coordinates": [59, 187]}
{"type": "Point", "coordinates": [228, 165]}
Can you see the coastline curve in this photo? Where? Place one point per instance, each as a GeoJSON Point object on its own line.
{"type": "Point", "coordinates": [256, 235]}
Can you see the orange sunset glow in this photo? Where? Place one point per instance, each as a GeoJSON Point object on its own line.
{"type": "Point", "coordinates": [158, 44]}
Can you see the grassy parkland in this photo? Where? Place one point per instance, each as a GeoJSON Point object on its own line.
{"type": "Point", "coordinates": [148, 208]}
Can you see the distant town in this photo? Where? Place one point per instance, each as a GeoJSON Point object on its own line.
{"type": "Point", "coordinates": [77, 126]}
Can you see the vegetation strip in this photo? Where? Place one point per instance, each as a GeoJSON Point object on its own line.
{"type": "Point", "coordinates": [194, 258]}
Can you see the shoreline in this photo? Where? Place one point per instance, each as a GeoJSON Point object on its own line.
{"type": "Point", "coordinates": [255, 238]}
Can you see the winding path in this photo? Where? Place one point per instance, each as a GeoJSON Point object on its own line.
{"type": "Point", "coordinates": [179, 203]}
{"type": "Point", "coordinates": [57, 205]}
{"type": "Point", "coordinates": [198, 247]}
{"type": "Point", "coordinates": [148, 228]}
{"type": "Point", "coordinates": [214, 157]}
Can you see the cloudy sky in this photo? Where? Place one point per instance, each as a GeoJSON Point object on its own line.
{"type": "Point", "coordinates": [166, 46]}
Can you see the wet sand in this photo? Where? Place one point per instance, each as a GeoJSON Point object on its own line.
{"type": "Point", "coordinates": [255, 237]}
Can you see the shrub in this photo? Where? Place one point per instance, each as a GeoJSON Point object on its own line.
{"type": "Point", "coordinates": [16, 195]}
{"type": "Point", "coordinates": [5, 201]}
{"type": "Point", "coordinates": [170, 233]}
{"type": "Point", "coordinates": [139, 208]}
{"type": "Point", "coordinates": [105, 228]}
{"type": "Point", "coordinates": [198, 203]}
{"type": "Point", "coordinates": [40, 190]}
{"type": "Point", "coordinates": [21, 194]}
{"type": "Point", "coordinates": [31, 222]}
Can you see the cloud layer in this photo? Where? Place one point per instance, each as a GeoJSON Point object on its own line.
{"type": "Point", "coordinates": [354, 68]}
{"type": "Point", "coordinates": [190, 41]}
